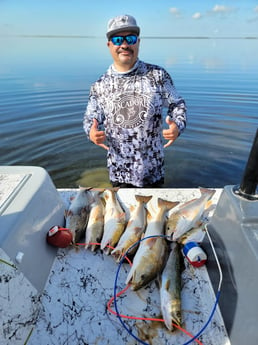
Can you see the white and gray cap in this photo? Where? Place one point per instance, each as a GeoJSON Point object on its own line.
{"type": "Point", "coordinates": [121, 23]}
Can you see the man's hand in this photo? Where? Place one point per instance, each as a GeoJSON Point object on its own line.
{"type": "Point", "coordinates": [171, 133]}
{"type": "Point", "coordinates": [96, 136]}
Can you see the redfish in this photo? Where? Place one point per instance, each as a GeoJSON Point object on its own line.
{"type": "Point", "coordinates": [134, 229]}
{"type": "Point", "coordinates": [149, 258]}
{"type": "Point", "coordinates": [95, 226]}
{"type": "Point", "coordinates": [170, 288]}
{"type": "Point", "coordinates": [188, 214]}
{"type": "Point", "coordinates": [77, 216]}
{"type": "Point", "coordinates": [114, 221]}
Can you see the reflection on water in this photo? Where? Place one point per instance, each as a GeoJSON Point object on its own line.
{"type": "Point", "coordinates": [97, 177]}
{"type": "Point", "coordinates": [44, 86]}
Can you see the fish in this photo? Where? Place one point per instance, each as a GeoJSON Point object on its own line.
{"type": "Point", "coordinates": [149, 258]}
{"type": "Point", "coordinates": [188, 215]}
{"type": "Point", "coordinates": [76, 217]}
{"type": "Point", "coordinates": [195, 234]}
{"type": "Point", "coordinates": [114, 221]}
{"type": "Point", "coordinates": [134, 228]}
{"type": "Point", "coordinates": [95, 226]}
{"type": "Point", "coordinates": [170, 288]}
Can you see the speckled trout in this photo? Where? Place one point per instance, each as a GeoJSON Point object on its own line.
{"type": "Point", "coordinates": [95, 226]}
{"type": "Point", "coordinates": [134, 229]}
{"type": "Point", "coordinates": [188, 214]}
{"type": "Point", "coordinates": [170, 288]}
{"type": "Point", "coordinates": [149, 258]}
{"type": "Point", "coordinates": [114, 221]}
{"type": "Point", "coordinates": [76, 218]}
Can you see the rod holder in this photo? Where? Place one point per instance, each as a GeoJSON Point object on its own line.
{"type": "Point", "coordinates": [248, 186]}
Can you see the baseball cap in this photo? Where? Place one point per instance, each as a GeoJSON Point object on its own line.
{"type": "Point", "coordinates": [122, 23]}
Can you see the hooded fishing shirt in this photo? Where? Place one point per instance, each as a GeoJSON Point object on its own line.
{"type": "Point", "coordinates": [129, 106]}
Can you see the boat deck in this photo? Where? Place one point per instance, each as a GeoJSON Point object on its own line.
{"type": "Point", "coordinates": [73, 306]}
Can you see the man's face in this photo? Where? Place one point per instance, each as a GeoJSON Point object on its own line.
{"type": "Point", "coordinates": [124, 55]}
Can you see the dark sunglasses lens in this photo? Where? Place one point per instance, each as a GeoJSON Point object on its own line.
{"type": "Point", "coordinates": [117, 40]}
{"type": "Point", "coordinates": [131, 39]}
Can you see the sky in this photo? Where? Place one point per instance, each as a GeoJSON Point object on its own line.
{"type": "Point", "coordinates": [220, 18]}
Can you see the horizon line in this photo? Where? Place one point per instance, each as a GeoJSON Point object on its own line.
{"type": "Point", "coordinates": [143, 37]}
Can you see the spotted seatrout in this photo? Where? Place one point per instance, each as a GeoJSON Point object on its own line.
{"type": "Point", "coordinates": [78, 213]}
{"type": "Point", "coordinates": [95, 227]}
{"type": "Point", "coordinates": [170, 288]}
{"type": "Point", "coordinates": [149, 258]}
{"type": "Point", "coordinates": [188, 214]}
{"type": "Point", "coordinates": [114, 221]}
{"type": "Point", "coordinates": [134, 229]}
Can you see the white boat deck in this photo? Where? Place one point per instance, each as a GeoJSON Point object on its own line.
{"type": "Point", "coordinates": [73, 306]}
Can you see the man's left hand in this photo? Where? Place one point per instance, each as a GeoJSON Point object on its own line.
{"type": "Point", "coordinates": [171, 133]}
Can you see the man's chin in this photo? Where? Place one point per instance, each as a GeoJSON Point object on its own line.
{"type": "Point", "coordinates": [126, 59]}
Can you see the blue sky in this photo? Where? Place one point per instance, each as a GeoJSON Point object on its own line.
{"type": "Point", "coordinates": [156, 18]}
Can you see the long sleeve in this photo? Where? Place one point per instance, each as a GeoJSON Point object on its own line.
{"type": "Point", "coordinates": [177, 110]}
{"type": "Point", "coordinates": [93, 111]}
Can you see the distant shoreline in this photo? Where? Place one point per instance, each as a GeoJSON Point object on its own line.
{"type": "Point", "coordinates": [143, 37]}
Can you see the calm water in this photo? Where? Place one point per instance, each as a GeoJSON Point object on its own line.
{"type": "Point", "coordinates": [44, 87]}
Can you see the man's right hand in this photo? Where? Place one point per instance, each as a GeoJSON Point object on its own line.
{"type": "Point", "coordinates": [96, 136]}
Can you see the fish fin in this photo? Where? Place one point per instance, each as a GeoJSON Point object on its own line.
{"type": "Point", "coordinates": [99, 190]}
{"type": "Point", "coordinates": [208, 205]}
{"type": "Point", "coordinates": [149, 216]}
{"type": "Point", "coordinates": [143, 199]}
{"type": "Point", "coordinates": [198, 224]}
{"type": "Point", "coordinates": [138, 229]}
{"type": "Point", "coordinates": [131, 208]}
{"type": "Point", "coordinates": [68, 213]}
{"type": "Point", "coordinates": [167, 285]}
{"type": "Point", "coordinates": [189, 202]}
{"type": "Point", "coordinates": [130, 275]}
{"type": "Point", "coordinates": [114, 189]}
{"type": "Point", "coordinates": [183, 223]}
{"type": "Point", "coordinates": [151, 242]}
{"type": "Point", "coordinates": [203, 191]}
{"type": "Point", "coordinates": [121, 217]}
{"type": "Point", "coordinates": [85, 188]}
{"type": "Point", "coordinates": [129, 222]}
{"type": "Point", "coordinates": [168, 204]}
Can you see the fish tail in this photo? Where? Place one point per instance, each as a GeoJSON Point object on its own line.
{"type": "Point", "coordinates": [207, 191]}
{"type": "Point", "coordinates": [143, 198]}
{"type": "Point", "coordinates": [167, 204]}
{"type": "Point", "coordinates": [84, 188]}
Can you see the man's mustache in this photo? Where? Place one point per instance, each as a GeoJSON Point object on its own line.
{"type": "Point", "coordinates": [125, 49]}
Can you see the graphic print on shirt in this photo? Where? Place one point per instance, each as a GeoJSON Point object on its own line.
{"type": "Point", "coordinates": [130, 110]}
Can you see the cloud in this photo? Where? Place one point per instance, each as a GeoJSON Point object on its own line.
{"type": "Point", "coordinates": [221, 9]}
{"type": "Point", "coordinates": [197, 15]}
{"type": "Point", "coordinates": [175, 11]}
{"type": "Point", "coordinates": [256, 9]}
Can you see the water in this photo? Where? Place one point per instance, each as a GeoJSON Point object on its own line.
{"type": "Point", "coordinates": [44, 87]}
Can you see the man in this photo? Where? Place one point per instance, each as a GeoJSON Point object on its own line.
{"type": "Point", "coordinates": [128, 101]}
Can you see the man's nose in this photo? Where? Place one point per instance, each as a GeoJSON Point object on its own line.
{"type": "Point", "coordinates": [124, 44]}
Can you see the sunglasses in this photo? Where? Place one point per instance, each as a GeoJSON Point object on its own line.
{"type": "Point", "coordinates": [118, 40]}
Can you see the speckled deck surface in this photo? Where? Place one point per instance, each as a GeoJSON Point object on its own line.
{"type": "Point", "coordinates": [73, 306]}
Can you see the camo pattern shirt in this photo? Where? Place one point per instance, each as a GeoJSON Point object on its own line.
{"type": "Point", "coordinates": [129, 107]}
